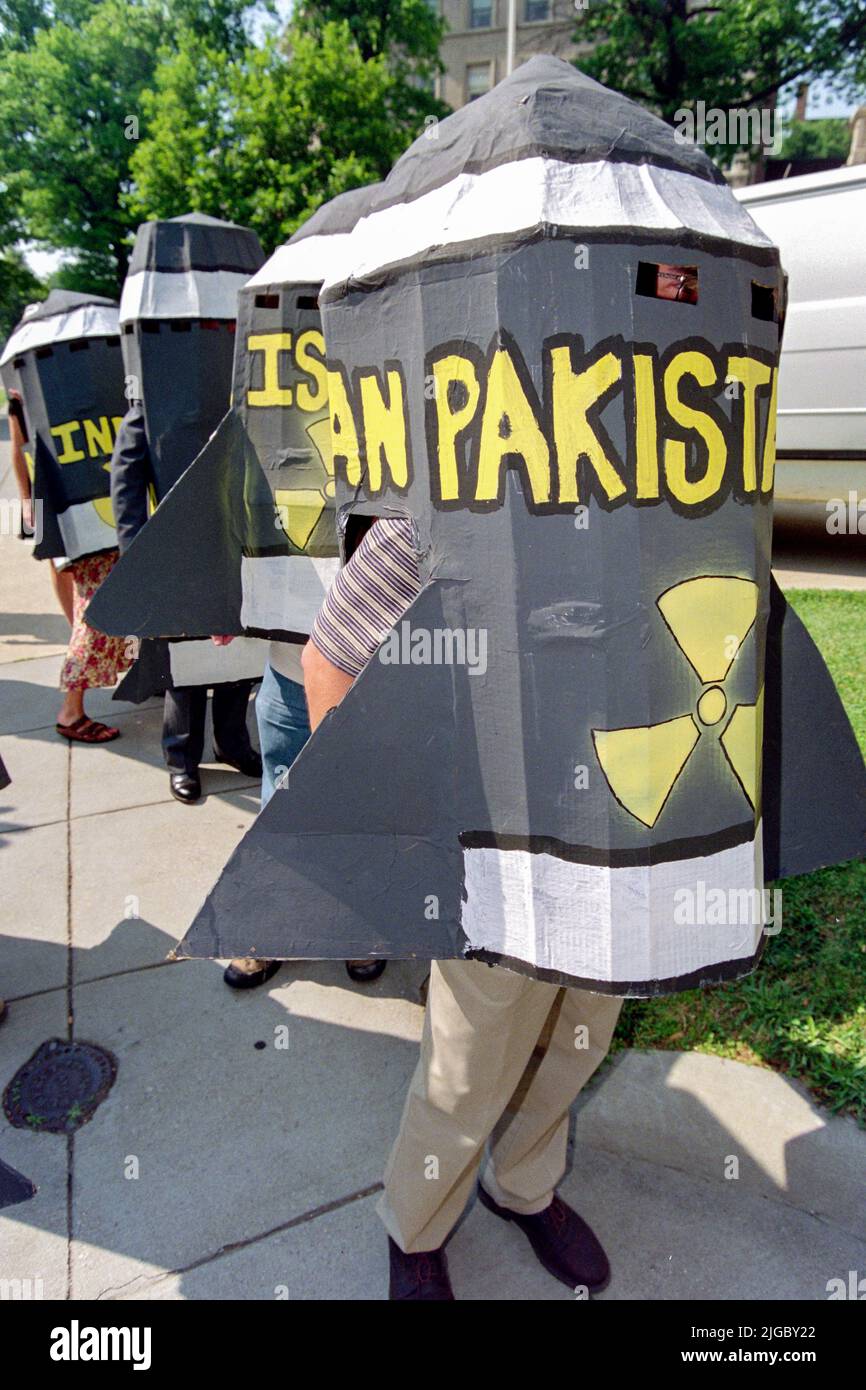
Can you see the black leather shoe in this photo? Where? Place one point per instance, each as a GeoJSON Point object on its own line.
{"type": "Point", "coordinates": [248, 761]}
{"type": "Point", "coordinates": [418, 1278]}
{"type": "Point", "coordinates": [249, 973]}
{"type": "Point", "coordinates": [185, 787]}
{"type": "Point", "coordinates": [564, 1244]}
{"type": "Point", "coordinates": [363, 972]}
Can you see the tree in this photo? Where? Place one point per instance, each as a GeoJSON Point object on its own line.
{"type": "Point", "coordinates": [406, 32]}
{"type": "Point", "coordinates": [18, 288]}
{"type": "Point", "coordinates": [265, 139]}
{"type": "Point", "coordinates": [823, 138]}
{"type": "Point", "coordinates": [730, 54]}
{"type": "Point", "coordinates": [72, 78]}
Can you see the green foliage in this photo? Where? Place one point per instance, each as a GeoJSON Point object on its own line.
{"type": "Point", "coordinates": [72, 78]}
{"type": "Point", "coordinates": [116, 110]}
{"type": "Point", "coordinates": [18, 288]}
{"type": "Point", "coordinates": [65, 104]}
{"type": "Point", "coordinates": [737, 53]}
{"type": "Point", "coordinates": [400, 30]}
{"type": "Point", "coordinates": [265, 139]}
{"type": "Point", "coordinates": [828, 138]}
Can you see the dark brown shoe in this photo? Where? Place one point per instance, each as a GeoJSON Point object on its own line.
{"type": "Point", "coordinates": [564, 1244]}
{"type": "Point", "coordinates": [416, 1278]}
{"type": "Point", "coordinates": [248, 972]}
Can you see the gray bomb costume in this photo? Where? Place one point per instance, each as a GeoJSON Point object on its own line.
{"type": "Point", "coordinates": [252, 521]}
{"type": "Point", "coordinates": [589, 467]}
{"type": "Point", "coordinates": [178, 314]}
{"type": "Point", "coordinates": [64, 358]}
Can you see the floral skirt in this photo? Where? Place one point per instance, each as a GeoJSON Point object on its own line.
{"type": "Point", "coordinates": [92, 659]}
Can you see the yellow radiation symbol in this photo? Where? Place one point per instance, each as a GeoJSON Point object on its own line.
{"type": "Point", "coordinates": [299, 508]}
{"type": "Point", "coordinates": [709, 618]}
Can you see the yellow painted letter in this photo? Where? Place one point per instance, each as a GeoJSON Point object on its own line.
{"type": "Point", "coordinates": [692, 493]}
{"type": "Point", "coordinates": [751, 374]}
{"type": "Point", "coordinates": [574, 393]}
{"type": "Point", "coordinates": [344, 434]}
{"type": "Point", "coordinates": [449, 372]}
{"type": "Point", "coordinates": [509, 427]}
{"type": "Point", "coordinates": [310, 357]}
{"type": "Point", "coordinates": [384, 430]}
{"type": "Point", "coordinates": [271, 344]}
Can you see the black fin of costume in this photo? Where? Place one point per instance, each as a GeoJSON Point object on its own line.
{"type": "Point", "coordinates": [814, 781]}
{"type": "Point", "coordinates": [149, 674]}
{"type": "Point", "coordinates": [14, 1187]}
{"type": "Point", "coordinates": [189, 537]}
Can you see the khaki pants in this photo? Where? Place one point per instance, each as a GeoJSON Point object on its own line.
{"type": "Point", "coordinates": [480, 1030]}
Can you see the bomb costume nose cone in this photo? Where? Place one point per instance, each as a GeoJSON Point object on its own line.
{"type": "Point", "coordinates": [588, 462]}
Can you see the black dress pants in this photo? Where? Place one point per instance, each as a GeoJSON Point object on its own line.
{"type": "Point", "coordinates": [183, 723]}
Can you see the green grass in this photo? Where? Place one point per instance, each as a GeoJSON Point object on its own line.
{"type": "Point", "coordinates": [803, 1011]}
{"type": "Point", "coordinates": [836, 618]}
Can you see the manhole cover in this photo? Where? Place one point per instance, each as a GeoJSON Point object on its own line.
{"type": "Point", "coordinates": [60, 1087]}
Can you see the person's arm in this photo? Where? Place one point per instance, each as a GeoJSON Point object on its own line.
{"type": "Point", "coordinates": [369, 595]}
{"type": "Point", "coordinates": [130, 478]}
{"type": "Point", "coordinates": [324, 683]}
{"type": "Point", "coordinates": [19, 463]}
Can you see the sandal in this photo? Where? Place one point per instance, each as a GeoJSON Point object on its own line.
{"type": "Point", "coordinates": [86, 730]}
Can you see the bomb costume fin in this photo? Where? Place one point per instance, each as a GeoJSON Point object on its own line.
{"type": "Point", "coordinates": [590, 803]}
{"type": "Point", "coordinates": [14, 1187]}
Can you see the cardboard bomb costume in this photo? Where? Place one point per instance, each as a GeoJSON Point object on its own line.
{"type": "Point", "coordinates": [251, 525]}
{"type": "Point", "coordinates": [178, 314]}
{"type": "Point", "coordinates": [599, 728]}
{"type": "Point", "coordinates": [64, 358]}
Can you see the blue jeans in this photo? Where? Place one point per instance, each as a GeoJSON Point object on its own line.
{"type": "Point", "coordinates": [284, 727]}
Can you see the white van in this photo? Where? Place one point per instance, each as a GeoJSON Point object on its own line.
{"type": "Point", "coordinates": [818, 221]}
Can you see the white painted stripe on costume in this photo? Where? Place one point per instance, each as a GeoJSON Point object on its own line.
{"type": "Point", "coordinates": [530, 193]}
{"type": "Point", "coordinates": [88, 321]}
{"type": "Point", "coordinates": [306, 261]}
{"type": "Point", "coordinates": [83, 531]}
{"type": "Point", "coordinates": [610, 924]}
{"type": "Point", "coordinates": [203, 663]}
{"type": "Point", "coordinates": [194, 294]}
{"type": "Point", "coordinates": [283, 593]}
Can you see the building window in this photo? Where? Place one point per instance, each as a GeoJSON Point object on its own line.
{"type": "Point", "coordinates": [534, 10]}
{"type": "Point", "coordinates": [480, 14]}
{"type": "Point", "coordinates": [478, 80]}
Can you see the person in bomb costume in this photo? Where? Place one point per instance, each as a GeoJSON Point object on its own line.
{"type": "Point", "coordinates": [587, 466]}
{"type": "Point", "coordinates": [63, 361]}
{"type": "Point", "coordinates": [574, 363]}
{"type": "Point", "coordinates": [177, 317]}
{"type": "Point", "coordinates": [251, 523]}
{"type": "Point", "coordinates": [63, 371]}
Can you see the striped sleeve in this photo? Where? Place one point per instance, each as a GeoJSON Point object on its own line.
{"type": "Point", "coordinates": [369, 595]}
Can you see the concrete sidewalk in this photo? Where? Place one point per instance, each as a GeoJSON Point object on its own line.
{"type": "Point", "coordinates": [222, 1165]}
